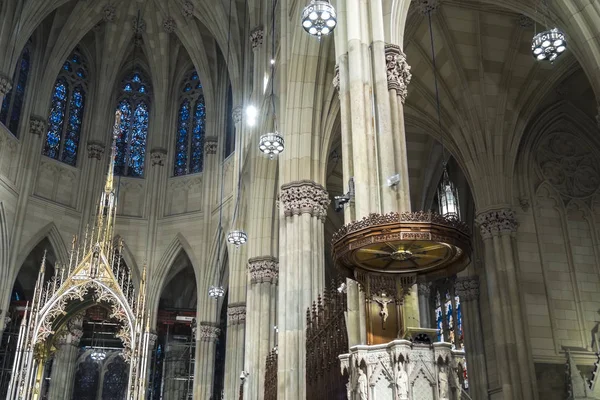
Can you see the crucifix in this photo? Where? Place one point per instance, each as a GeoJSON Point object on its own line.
{"type": "Point", "coordinates": [383, 301]}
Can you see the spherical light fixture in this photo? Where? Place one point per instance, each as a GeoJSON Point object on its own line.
{"type": "Point", "coordinates": [216, 291]}
{"type": "Point", "coordinates": [319, 18]}
{"type": "Point", "coordinates": [548, 45]}
{"type": "Point", "coordinates": [237, 238]}
{"type": "Point", "coordinates": [271, 144]}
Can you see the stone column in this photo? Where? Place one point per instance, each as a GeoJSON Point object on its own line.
{"type": "Point", "coordinates": [425, 310]}
{"type": "Point", "coordinates": [467, 289]}
{"type": "Point", "coordinates": [5, 86]}
{"type": "Point", "coordinates": [513, 355]}
{"type": "Point", "coordinates": [62, 376]}
{"type": "Point", "coordinates": [264, 272]}
{"type": "Point", "coordinates": [206, 341]}
{"type": "Point", "coordinates": [234, 360]}
{"type": "Point", "coordinates": [303, 208]}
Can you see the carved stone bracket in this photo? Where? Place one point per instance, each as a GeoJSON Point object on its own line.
{"type": "Point", "coordinates": [304, 197]}
{"type": "Point", "coordinates": [209, 332]}
{"type": "Point", "coordinates": [5, 85]}
{"type": "Point", "coordinates": [109, 13]}
{"type": "Point", "coordinates": [467, 288]}
{"type": "Point", "coordinates": [95, 150]}
{"type": "Point", "coordinates": [236, 314]}
{"type": "Point", "coordinates": [496, 222]}
{"type": "Point", "coordinates": [169, 25]}
{"type": "Point", "coordinates": [158, 157]}
{"type": "Point", "coordinates": [236, 115]}
{"type": "Point", "coordinates": [138, 27]}
{"type": "Point", "coordinates": [398, 70]}
{"type": "Point", "coordinates": [256, 37]}
{"type": "Point", "coordinates": [210, 145]}
{"type": "Point", "coordinates": [263, 269]}
{"type": "Point", "coordinates": [37, 125]}
{"type": "Point", "coordinates": [336, 78]}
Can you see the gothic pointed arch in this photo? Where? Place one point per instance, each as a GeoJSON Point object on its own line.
{"type": "Point", "coordinates": [129, 259]}
{"type": "Point", "coordinates": [12, 105]}
{"type": "Point", "coordinates": [50, 231]}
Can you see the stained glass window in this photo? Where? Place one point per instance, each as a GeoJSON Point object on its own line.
{"type": "Point", "coordinates": [448, 318]}
{"type": "Point", "coordinates": [66, 110]}
{"type": "Point", "coordinates": [134, 104]}
{"type": "Point", "coordinates": [10, 113]}
{"type": "Point", "coordinates": [86, 380]}
{"type": "Point", "coordinates": [189, 147]}
{"type": "Point", "coordinates": [116, 376]}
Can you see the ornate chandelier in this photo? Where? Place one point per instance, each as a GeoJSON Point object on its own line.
{"type": "Point", "coordinates": [319, 18]}
{"type": "Point", "coordinates": [237, 238]}
{"type": "Point", "coordinates": [548, 45]}
{"type": "Point", "coordinates": [216, 291]}
{"type": "Point", "coordinates": [98, 355]}
{"type": "Point", "coordinates": [448, 197]}
{"type": "Point", "coordinates": [271, 144]}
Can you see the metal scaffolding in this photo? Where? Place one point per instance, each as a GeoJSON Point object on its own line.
{"type": "Point", "coordinates": [178, 373]}
{"type": "Point", "coordinates": [8, 347]}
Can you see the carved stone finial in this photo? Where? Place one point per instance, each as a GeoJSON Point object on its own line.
{"type": "Point", "coordinates": [109, 13]}
{"type": "Point", "coordinates": [236, 114]}
{"type": "Point", "coordinates": [427, 6]}
{"type": "Point", "coordinates": [188, 9]}
{"type": "Point", "coordinates": [524, 21]}
{"type": "Point", "coordinates": [304, 197]}
{"type": "Point", "coordinates": [236, 314]}
{"type": "Point", "coordinates": [95, 150]}
{"type": "Point", "coordinates": [158, 157]}
{"type": "Point", "coordinates": [467, 288]}
{"type": "Point", "coordinates": [256, 37]}
{"type": "Point", "coordinates": [263, 270]}
{"type": "Point", "coordinates": [209, 332]}
{"type": "Point", "coordinates": [210, 145]}
{"type": "Point", "coordinates": [169, 25]}
{"type": "Point", "coordinates": [37, 125]}
{"type": "Point", "coordinates": [398, 70]}
{"type": "Point", "coordinates": [336, 78]}
{"type": "Point", "coordinates": [496, 222]}
{"type": "Point", "coordinates": [5, 85]}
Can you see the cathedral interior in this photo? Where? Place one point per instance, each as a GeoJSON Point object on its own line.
{"type": "Point", "coordinates": [299, 199]}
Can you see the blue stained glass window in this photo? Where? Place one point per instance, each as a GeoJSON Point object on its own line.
{"type": "Point", "coordinates": [76, 105]}
{"type": "Point", "coordinates": [197, 148]}
{"type": "Point", "coordinates": [56, 120]}
{"type": "Point", "coordinates": [189, 147]}
{"type": "Point", "coordinates": [131, 143]}
{"type": "Point", "coordinates": [66, 111]}
{"type": "Point", "coordinates": [181, 147]}
{"type": "Point", "coordinates": [10, 113]}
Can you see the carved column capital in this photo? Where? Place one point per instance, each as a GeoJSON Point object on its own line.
{"type": "Point", "coordinates": [256, 37]}
{"type": "Point", "coordinates": [263, 269]}
{"type": "Point", "coordinates": [109, 13]}
{"type": "Point", "coordinates": [209, 332]}
{"type": "Point", "coordinates": [210, 144]}
{"type": "Point", "coordinates": [336, 78]}
{"type": "Point", "coordinates": [398, 70]}
{"type": "Point", "coordinates": [424, 288]}
{"type": "Point", "coordinates": [236, 115]}
{"type": "Point", "coordinates": [496, 222]}
{"type": "Point", "coordinates": [304, 197]}
{"type": "Point", "coordinates": [95, 150]}
{"type": "Point", "coordinates": [236, 314]}
{"type": "Point", "coordinates": [427, 6]}
{"type": "Point", "coordinates": [169, 25]}
{"type": "Point", "coordinates": [152, 338]}
{"type": "Point", "coordinates": [187, 9]}
{"type": "Point", "coordinates": [158, 156]}
{"type": "Point", "coordinates": [37, 125]}
{"type": "Point", "coordinates": [467, 288]}
{"type": "Point", "coordinates": [5, 85]}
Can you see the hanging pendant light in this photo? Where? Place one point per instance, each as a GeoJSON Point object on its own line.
{"type": "Point", "coordinates": [216, 292]}
{"type": "Point", "coordinates": [448, 197]}
{"type": "Point", "coordinates": [98, 353]}
{"type": "Point", "coordinates": [319, 18]}
{"type": "Point", "coordinates": [237, 238]}
{"type": "Point", "coordinates": [549, 45]}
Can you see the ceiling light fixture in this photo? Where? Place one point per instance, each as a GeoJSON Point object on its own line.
{"type": "Point", "coordinates": [216, 292]}
{"type": "Point", "coordinates": [319, 18]}
{"type": "Point", "coordinates": [237, 238]}
{"type": "Point", "coordinates": [548, 45]}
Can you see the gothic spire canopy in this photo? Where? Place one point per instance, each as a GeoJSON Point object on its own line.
{"type": "Point", "coordinates": [94, 274]}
